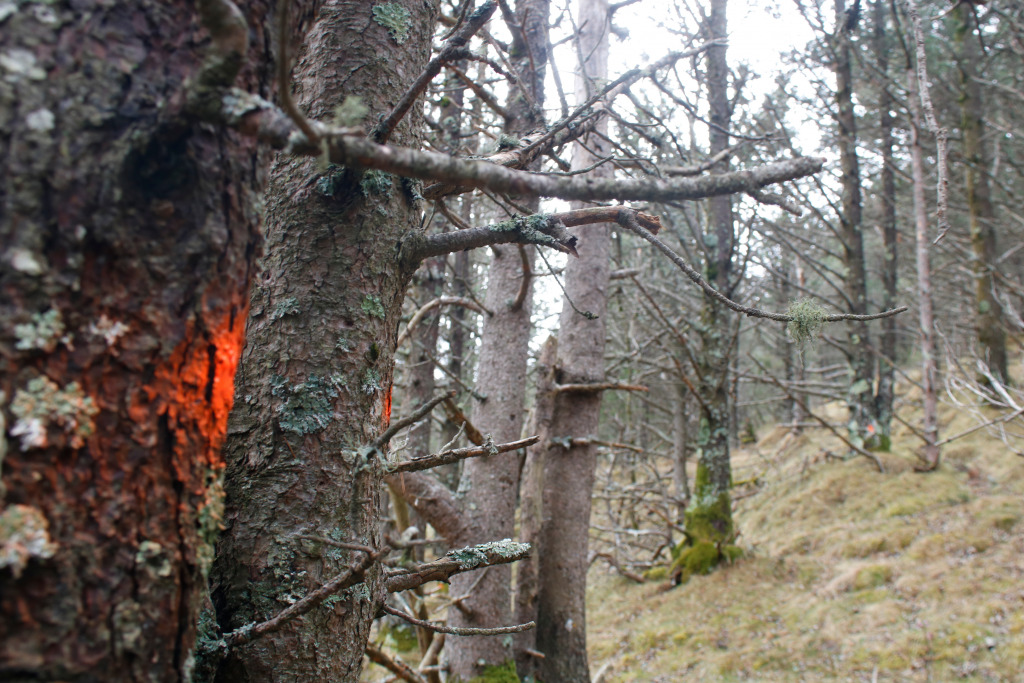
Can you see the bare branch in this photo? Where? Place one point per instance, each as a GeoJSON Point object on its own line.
{"type": "Point", "coordinates": [395, 666]}
{"type": "Point", "coordinates": [426, 462]}
{"type": "Point", "coordinates": [350, 577]}
{"type": "Point", "coordinates": [456, 562]}
{"type": "Point", "coordinates": [417, 415]}
{"type": "Point", "coordinates": [453, 49]}
{"type": "Point", "coordinates": [454, 631]}
{"type": "Point", "coordinates": [432, 304]}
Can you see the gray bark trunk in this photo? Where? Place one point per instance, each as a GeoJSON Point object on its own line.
{"type": "Point", "coordinates": [566, 474]}
{"type": "Point", "coordinates": [315, 380]}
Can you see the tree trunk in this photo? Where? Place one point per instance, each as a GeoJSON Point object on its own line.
{"type": "Point", "coordinates": [709, 515]}
{"type": "Point", "coordinates": [884, 394]}
{"type": "Point", "coordinates": [924, 279]}
{"type": "Point", "coordinates": [989, 313]}
{"type": "Point", "coordinates": [491, 484]}
{"type": "Point", "coordinates": [567, 469]}
{"type": "Point", "coordinates": [314, 387]}
{"type": "Point", "coordinates": [860, 395]}
{"type": "Point", "coordinates": [680, 450]}
{"type": "Point", "coordinates": [128, 235]}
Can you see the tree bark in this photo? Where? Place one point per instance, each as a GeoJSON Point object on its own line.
{"type": "Point", "coordinates": [885, 392]}
{"type": "Point", "coordinates": [315, 382]}
{"type": "Point", "coordinates": [491, 484]}
{"type": "Point", "coordinates": [929, 371]}
{"type": "Point", "coordinates": [129, 233]}
{"type": "Point", "coordinates": [709, 515]}
{"type": "Point", "coordinates": [859, 399]}
{"type": "Point", "coordinates": [567, 473]}
{"type": "Point", "coordinates": [989, 312]}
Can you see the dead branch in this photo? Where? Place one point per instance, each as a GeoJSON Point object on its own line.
{"type": "Point", "coordinates": [416, 416]}
{"type": "Point", "coordinates": [426, 462]}
{"type": "Point", "coordinates": [435, 303]}
{"type": "Point", "coordinates": [453, 49]}
{"type": "Point", "coordinates": [598, 386]}
{"type": "Point", "coordinates": [457, 562]}
{"type": "Point", "coordinates": [457, 631]}
{"type": "Point", "coordinates": [395, 666]}
{"type": "Point", "coordinates": [459, 419]}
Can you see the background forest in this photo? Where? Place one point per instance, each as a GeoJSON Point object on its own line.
{"type": "Point", "coordinates": [496, 341]}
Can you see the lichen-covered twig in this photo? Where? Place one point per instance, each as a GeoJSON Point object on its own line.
{"type": "Point", "coordinates": [460, 631]}
{"type": "Point", "coordinates": [351, 576]}
{"type": "Point", "coordinates": [426, 462]}
{"type": "Point", "coordinates": [457, 562]}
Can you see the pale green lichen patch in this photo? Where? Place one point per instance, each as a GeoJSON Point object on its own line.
{"type": "Point", "coordinates": [808, 320]}
{"type": "Point", "coordinates": [395, 18]}
{"type": "Point", "coordinates": [24, 534]}
{"type": "Point", "coordinates": [287, 306]}
{"type": "Point", "coordinates": [42, 404]}
{"type": "Point", "coordinates": [44, 332]}
{"type": "Point", "coordinates": [351, 112]}
{"type": "Point", "coordinates": [210, 517]}
{"type": "Point", "coordinates": [373, 306]}
{"type": "Point", "coordinates": [476, 555]}
{"type": "Point", "coordinates": [307, 406]}
{"type": "Point", "coordinates": [109, 330]}
{"type": "Point", "coordinates": [376, 183]}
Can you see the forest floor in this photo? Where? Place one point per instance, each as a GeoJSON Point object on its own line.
{"type": "Point", "coordinates": [848, 575]}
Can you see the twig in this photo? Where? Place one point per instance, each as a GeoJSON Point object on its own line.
{"type": "Point", "coordinates": [457, 417]}
{"type": "Point", "coordinates": [454, 48]}
{"type": "Point", "coordinates": [598, 386]}
{"type": "Point", "coordinates": [350, 577]}
{"type": "Point", "coordinates": [457, 562]}
{"type": "Point", "coordinates": [426, 462]}
{"type": "Point", "coordinates": [284, 68]}
{"type": "Point", "coordinates": [432, 304]}
{"type": "Point", "coordinates": [807, 411]}
{"type": "Point", "coordinates": [395, 666]}
{"type": "Point", "coordinates": [459, 631]}
{"type": "Point", "coordinates": [416, 416]}
{"type": "Point", "coordinates": [630, 224]}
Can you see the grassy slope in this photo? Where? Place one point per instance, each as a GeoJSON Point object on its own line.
{"type": "Point", "coordinates": [849, 573]}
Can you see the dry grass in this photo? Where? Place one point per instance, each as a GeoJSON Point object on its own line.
{"type": "Point", "coordinates": [849, 574]}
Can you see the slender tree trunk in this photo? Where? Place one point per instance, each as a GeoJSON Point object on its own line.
{"type": "Point", "coordinates": [929, 372]}
{"type": "Point", "coordinates": [315, 382]}
{"type": "Point", "coordinates": [491, 484]}
{"type": "Point", "coordinates": [128, 233]}
{"type": "Point", "coordinates": [989, 313]}
{"type": "Point", "coordinates": [887, 343]}
{"type": "Point", "coordinates": [860, 395]}
{"type": "Point", "coordinates": [680, 450]}
{"type": "Point", "coordinates": [709, 516]}
{"type": "Point", "coordinates": [567, 473]}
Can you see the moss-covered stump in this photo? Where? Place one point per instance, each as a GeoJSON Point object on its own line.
{"type": "Point", "coordinates": [699, 559]}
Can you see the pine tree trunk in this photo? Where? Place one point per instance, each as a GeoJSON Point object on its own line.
{"type": "Point", "coordinates": [709, 516]}
{"type": "Point", "coordinates": [491, 484]}
{"type": "Point", "coordinates": [860, 394]}
{"type": "Point", "coordinates": [926, 315]}
{"type": "Point", "coordinates": [566, 470]}
{"type": "Point", "coordinates": [314, 386]}
{"type": "Point", "coordinates": [884, 394]}
{"type": "Point", "coordinates": [128, 234]}
{"type": "Point", "coordinates": [989, 312]}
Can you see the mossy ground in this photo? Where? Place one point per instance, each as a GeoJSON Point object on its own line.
{"type": "Point", "coordinates": [847, 573]}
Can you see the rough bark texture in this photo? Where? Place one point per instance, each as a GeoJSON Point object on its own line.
{"type": "Point", "coordinates": [566, 474]}
{"type": "Point", "coordinates": [859, 399]}
{"type": "Point", "coordinates": [885, 393]}
{"type": "Point", "coordinates": [128, 234]}
{"type": "Point", "coordinates": [709, 515]}
{"type": "Point", "coordinates": [989, 313]}
{"type": "Point", "coordinates": [491, 484]}
{"type": "Point", "coordinates": [315, 382]}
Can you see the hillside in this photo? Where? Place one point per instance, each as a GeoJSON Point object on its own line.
{"type": "Point", "coordinates": [849, 574]}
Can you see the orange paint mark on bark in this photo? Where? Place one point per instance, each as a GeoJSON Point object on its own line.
{"type": "Point", "coordinates": [387, 408]}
